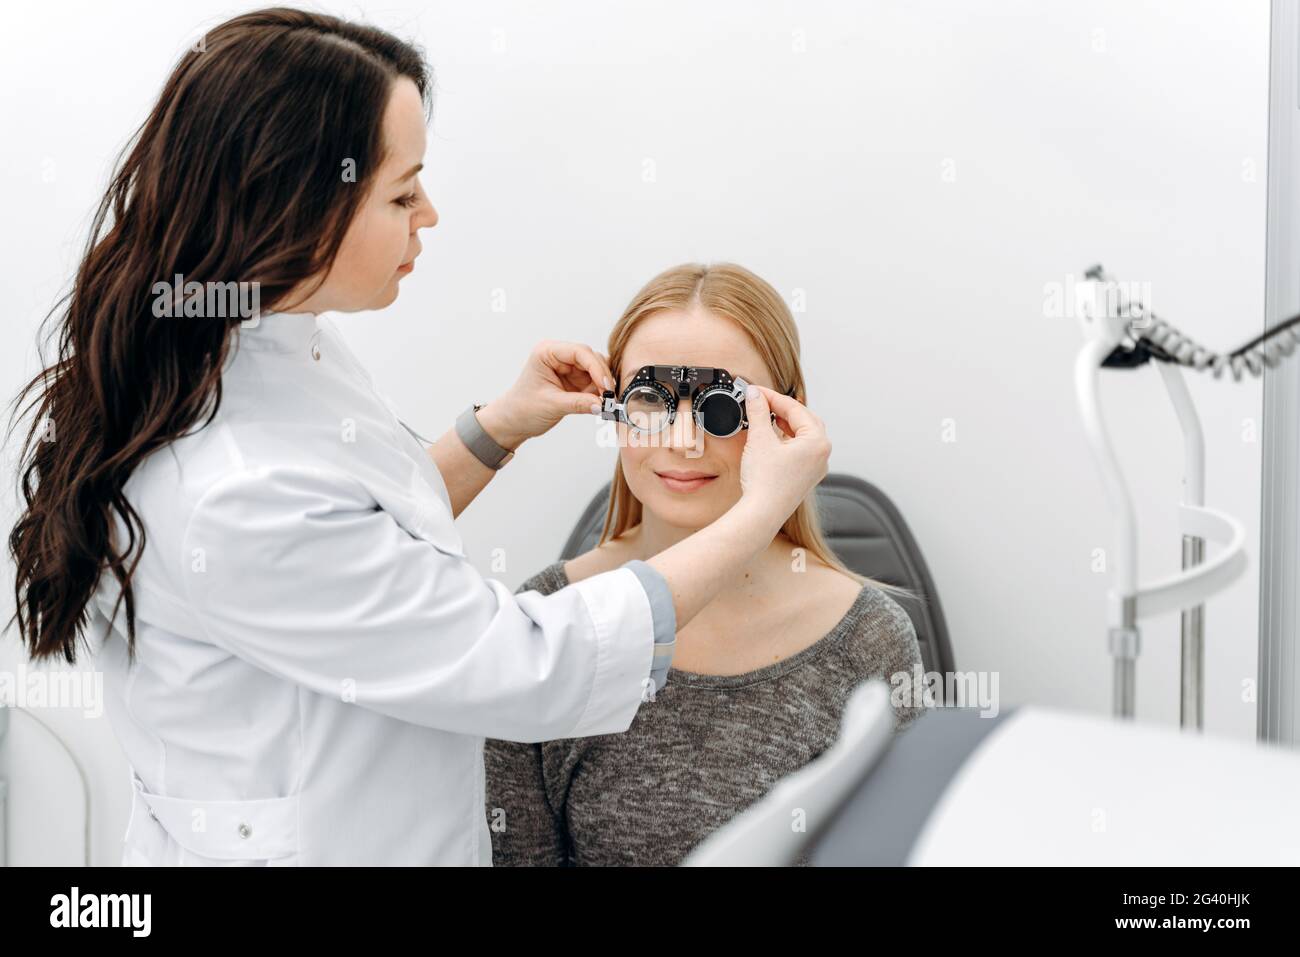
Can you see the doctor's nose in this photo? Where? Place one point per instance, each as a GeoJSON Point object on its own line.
{"type": "Point", "coordinates": [427, 218]}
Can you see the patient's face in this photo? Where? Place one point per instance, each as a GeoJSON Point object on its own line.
{"type": "Point", "coordinates": [686, 338]}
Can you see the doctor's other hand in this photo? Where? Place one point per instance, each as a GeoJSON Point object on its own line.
{"type": "Point", "coordinates": [780, 467]}
{"type": "Point", "coordinates": [559, 379]}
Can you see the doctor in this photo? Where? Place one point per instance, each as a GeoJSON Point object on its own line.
{"type": "Point", "coordinates": [300, 663]}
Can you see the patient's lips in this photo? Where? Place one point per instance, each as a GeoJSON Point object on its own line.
{"type": "Point", "coordinates": [678, 481]}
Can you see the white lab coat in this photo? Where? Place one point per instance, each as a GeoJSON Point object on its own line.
{"type": "Point", "coordinates": [317, 663]}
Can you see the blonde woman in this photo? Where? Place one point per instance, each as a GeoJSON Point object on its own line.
{"type": "Point", "coordinates": [760, 677]}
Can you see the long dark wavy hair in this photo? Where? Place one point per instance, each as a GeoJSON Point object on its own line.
{"type": "Point", "coordinates": [237, 175]}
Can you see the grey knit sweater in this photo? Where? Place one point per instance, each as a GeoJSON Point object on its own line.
{"type": "Point", "coordinates": [702, 751]}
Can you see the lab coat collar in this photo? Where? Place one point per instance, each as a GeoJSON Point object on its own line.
{"type": "Point", "coordinates": [280, 331]}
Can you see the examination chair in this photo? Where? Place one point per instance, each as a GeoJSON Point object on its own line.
{"type": "Point", "coordinates": [866, 532]}
{"type": "Point", "coordinates": [1027, 786]}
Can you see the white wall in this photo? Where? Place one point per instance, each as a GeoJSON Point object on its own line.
{"type": "Point", "coordinates": [918, 172]}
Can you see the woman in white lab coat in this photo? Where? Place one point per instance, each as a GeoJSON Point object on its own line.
{"type": "Point", "coordinates": [300, 663]}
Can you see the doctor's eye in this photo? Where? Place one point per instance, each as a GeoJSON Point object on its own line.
{"type": "Point", "coordinates": [408, 201]}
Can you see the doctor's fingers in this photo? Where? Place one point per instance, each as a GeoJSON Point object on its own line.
{"type": "Point", "coordinates": [578, 403]}
{"type": "Point", "coordinates": [579, 366]}
{"type": "Point", "coordinates": [798, 415]}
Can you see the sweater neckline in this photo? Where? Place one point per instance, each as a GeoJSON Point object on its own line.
{"type": "Point", "coordinates": [694, 679]}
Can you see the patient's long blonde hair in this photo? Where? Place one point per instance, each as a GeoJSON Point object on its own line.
{"type": "Point", "coordinates": [731, 292]}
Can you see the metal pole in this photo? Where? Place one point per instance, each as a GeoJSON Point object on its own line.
{"type": "Point", "coordinates": [1125, 643]}
{"type": "Point", "coordinates": [1278, 704]}
{"type": "Point", "coordinates": [1192, 701]}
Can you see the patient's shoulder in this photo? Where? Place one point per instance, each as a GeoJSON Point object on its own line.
{"type": "Point", "coordinates": [560, 574]}
{"type": "Point", "coordinates": [883, 633]}
{"type": "Point", "coordinates": [820, 600]}
{"type": "Point", "coordinates": [827, 586]}
{"type": "Point", "coordinates": [602, 558]}
{"type": "Point", "coordinates": [549, 579]}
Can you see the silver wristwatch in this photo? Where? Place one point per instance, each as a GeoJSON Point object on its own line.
{"type": "Point", "coordinates": [484, 447]}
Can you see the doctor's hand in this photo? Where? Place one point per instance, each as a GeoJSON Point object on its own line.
{"type": "Point", "coordinates": [559, 379]}
{"type": "Point", "coordinates": [785, 461]}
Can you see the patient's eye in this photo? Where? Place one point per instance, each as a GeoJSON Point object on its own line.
{"type": "Point", "coordinates": [646, 410]}
{"type": "Point", "coordinates": [408, 201]}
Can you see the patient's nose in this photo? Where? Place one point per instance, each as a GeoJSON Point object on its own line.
{"type": "Point", "coordinates": [683, 434]}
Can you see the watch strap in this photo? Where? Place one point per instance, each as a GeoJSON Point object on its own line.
{"type": "Point", "coordinates": [485, 448]}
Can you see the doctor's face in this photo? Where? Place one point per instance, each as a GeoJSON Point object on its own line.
{"type": "Point", "coordinates": [381, 243]}
{"type": "Point", "coordinates": [683, 476]}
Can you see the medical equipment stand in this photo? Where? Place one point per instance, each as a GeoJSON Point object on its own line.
{"type": "Point", "coordinates": [1120, 335]}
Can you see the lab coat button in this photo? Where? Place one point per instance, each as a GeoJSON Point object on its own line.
{"type": "Point", "coordinates": [245, 831]}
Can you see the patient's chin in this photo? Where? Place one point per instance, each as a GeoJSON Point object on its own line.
{"type": "Point", "coordinates": [689, 516]}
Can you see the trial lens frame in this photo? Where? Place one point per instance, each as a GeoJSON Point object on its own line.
{"type": "Point", "coordinates": [701, 384]}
